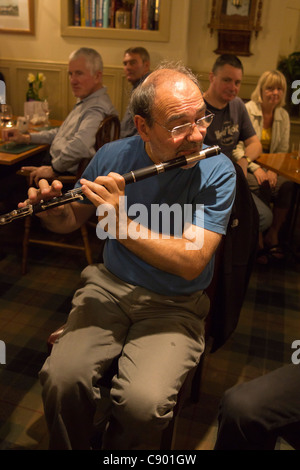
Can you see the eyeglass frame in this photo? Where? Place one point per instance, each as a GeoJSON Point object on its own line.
{"type": "Point", "coordinates": [188, 125]}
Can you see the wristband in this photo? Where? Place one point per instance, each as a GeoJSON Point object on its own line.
{"type": "Point", "coordinates": [247, 158]}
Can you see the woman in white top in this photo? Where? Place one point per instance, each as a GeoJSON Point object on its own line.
{"type": "Point", "coordinates": [272, 125]}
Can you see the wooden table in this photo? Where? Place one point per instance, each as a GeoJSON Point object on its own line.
{"type": "Point", "coordinates": [285, 164]}
{"type": "Point", "coordinates": [281, 163]}
{"type": "Point", "coordinates": [11, 159]}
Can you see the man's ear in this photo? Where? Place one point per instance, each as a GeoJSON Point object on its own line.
{"type": "Point", "coordinates": [99, 76]}
{"type": "Point", "coordinates": [211, 76]}
{"type": "Point", "coordinates": [142, 127]}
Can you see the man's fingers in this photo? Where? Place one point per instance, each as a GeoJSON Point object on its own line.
{"type": "Point", "coordinates": [28, 168]}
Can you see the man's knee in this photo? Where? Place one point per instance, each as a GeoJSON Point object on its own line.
{"type": "Point", "coordinates": [236, 406]}
{"type": "Point", "coordinates": [62, 380]}
{"type": "Point", "coordinates": [265, 214]}
{"type": "Point", "coordinates": [141, 404]}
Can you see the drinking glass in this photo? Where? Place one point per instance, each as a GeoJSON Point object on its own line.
{"type": "Point", "coordinates": [45, 108]}
{"type": "Point", "coordinates": [296, 151]}
{"type": "Point", "coordinates": [6, 115]}
{"type": "Point", "coordinates": [298, 163]}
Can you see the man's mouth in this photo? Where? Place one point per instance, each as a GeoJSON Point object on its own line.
{"type": "Point", "coordinates": [187, 152]}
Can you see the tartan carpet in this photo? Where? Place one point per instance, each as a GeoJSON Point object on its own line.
{"type": "Point", "coordinates": [34, 305]}
{"type": "Point", "coordinates": [31, 307]}
{"type": "Point", "coordinates": [268, 324]}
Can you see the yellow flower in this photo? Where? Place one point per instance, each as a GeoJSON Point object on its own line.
{"type": "Point", "coordinates": [31, 78]}
{"type": "Point", "coordinates": [41, 77]}
{"type": "Point", "coordinates": [35, 84]}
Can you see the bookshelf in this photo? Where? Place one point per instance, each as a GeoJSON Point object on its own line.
{"type": "Point", "coordinates": [161, 34]}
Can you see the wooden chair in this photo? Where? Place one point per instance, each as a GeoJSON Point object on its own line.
{"type": "Point", "coordinates": [109, 130]}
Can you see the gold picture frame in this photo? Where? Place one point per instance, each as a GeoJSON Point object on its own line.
{"type": "Point", "coordinates": [17, 16]}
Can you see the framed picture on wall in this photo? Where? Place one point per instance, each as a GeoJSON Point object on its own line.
{"type": "Point", "coordinates": [17, 16]}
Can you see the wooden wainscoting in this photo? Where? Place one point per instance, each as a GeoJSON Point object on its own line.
{"type": "Point", "coordinates": [56, 87]}
{"type": "Point", "coordinates": [57, 90]}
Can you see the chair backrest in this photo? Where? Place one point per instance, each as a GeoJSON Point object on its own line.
{"type": "Point", "coordinates": [108, 130]}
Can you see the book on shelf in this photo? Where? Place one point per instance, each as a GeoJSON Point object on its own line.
{"type": "Point", "coordinates": [106, 4]}
{"type": "Point", "coordinates": [93, 13]}
{"type": "Point", "coordinates": [99, 13]}
{"type": "Point", "coordinates": [77, 19]}
{"type": "Point", "coordinates": [102, 13]}
{"type": "Point", "coordinates": [156, 15]}
{"type": "Point", "coordinates": [138, 15]}
{"type": "Point", "coordinates": [87, 13]}
{"type": "Point", "coordinates": [115, 5]}
{"type": "Point", "coordinates": [145, 14]}
{"type": "Point", "coordinates": [82, 12]}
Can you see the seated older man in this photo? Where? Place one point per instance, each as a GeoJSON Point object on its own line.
{"type": "Point", "coordinates": [75, 139]}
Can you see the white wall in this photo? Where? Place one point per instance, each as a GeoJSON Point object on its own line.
{"type": "Point", "coordinates": [280, 35]}
{"type": "Point", "coordinates": [49, 44]}
{"type": "Point", "coordinates": [190, 41]}
{"type": "Point", "coordinates": [190, 38]}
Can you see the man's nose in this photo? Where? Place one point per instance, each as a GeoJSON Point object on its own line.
{"type": "Point", "coordinates": [197, 133]}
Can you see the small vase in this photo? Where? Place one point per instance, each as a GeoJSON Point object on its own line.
{"type": "Point", "coordinates": [31, 95]}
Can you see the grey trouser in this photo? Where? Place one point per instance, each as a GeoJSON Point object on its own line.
{"type": "Point", "coordinates": [254, 414]}
{"type": "Point", "coordinates": [264, 212]}
{"type": "Point", "coordinates": [158, 338]}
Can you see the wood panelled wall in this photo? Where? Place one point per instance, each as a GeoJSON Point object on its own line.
{"type": "Point", "coordinates": [56, 88]}
{"type": "Point", "coordinates": [58, 93]}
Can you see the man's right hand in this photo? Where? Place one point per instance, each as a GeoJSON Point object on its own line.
{"type": "Point", "coordinates": [16, 136]}
{"type": "Point", "coordinates": [260, 175]}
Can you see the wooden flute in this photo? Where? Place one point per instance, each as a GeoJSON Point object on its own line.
{"type": "Point", "coordinates": [131, 177]}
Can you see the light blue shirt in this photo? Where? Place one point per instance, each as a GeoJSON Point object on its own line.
{"type": "Point", "coordinates": [208, 187]}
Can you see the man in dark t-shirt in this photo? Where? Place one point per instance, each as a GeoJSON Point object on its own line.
{"type": "Point", "coordinates": [230, 125]}
{"type": "Point", "coordinates": [231, 122]}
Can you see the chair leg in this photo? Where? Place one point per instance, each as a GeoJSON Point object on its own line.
{"type": "Point", "coordinates": [87, 248]}
{"type": "Point", "coordinates": [27, 226]}
{"type": "Point", "coordinates": [196, 382]}
{"type": "Point", "coordinates": [169, 433]}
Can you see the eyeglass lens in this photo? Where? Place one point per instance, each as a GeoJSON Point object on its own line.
{"type": "Point", "coordinates": [187, 128]}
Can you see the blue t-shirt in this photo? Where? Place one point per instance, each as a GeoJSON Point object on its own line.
{"type": "Point", "coordinates": [211, 182]}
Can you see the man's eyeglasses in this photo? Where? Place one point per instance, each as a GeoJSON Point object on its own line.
{"type": "Point", "coordinates": [187, 129]}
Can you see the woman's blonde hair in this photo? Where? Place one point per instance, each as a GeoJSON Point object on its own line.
{"type": "Point", "coordinates": [270, 79]}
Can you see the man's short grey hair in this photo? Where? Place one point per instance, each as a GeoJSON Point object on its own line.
{"type": "Point", "coordinates": [93, 58]}
{"type": "Point", "coordinates": [143, 97]}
